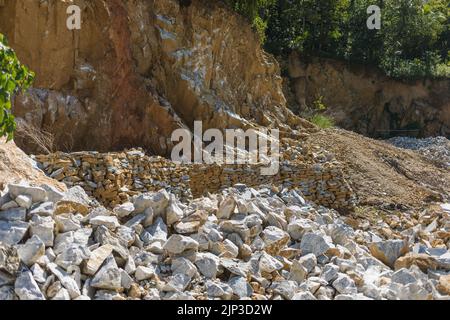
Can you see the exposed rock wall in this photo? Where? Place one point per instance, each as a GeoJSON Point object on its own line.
{"type": "Point", "coordinates": [365, 100]}
{"type": "Point", "coordinates": [137, 70]}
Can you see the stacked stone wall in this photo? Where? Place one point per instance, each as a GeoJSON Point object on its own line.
{"type": "Point", "coordinates": [112, 178]}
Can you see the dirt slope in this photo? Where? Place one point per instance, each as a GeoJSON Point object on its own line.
{"type": "Point", "coordinates": [15, 166]}
{"type": "Point", "coordinates": [384, 175]}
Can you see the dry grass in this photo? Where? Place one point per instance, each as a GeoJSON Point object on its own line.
{"type": "Point", "coordinates": [42, 140]}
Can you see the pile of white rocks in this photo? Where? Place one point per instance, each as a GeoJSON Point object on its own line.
{"type": "Point", "coordinates": [435, 148]}
{"type": "Point", "coordinates": [240, 244]}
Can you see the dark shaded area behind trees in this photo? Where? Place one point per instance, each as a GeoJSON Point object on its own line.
{"type": "Point", "coordinates": [413, 41]}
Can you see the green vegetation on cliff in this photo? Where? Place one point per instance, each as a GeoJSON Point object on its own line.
{"type": "Point", "coordinates": [13, 77]}
{"type": "Point", "coordinates": [256, 11]}
{"type": "Point", "coordinates": [413, 41]}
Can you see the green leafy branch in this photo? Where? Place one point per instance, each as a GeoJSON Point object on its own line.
{"type": "Point", "coordinates": [14, 77]}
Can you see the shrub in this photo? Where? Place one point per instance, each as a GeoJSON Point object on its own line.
{"type": "Point", "coordinates": [13, 77]}
{"type": "Point", "coordinates": [319, 105]}
{"type": "Point", "coordinates": [41, 140]}
{"type": "Point", "coordinates": [322, 121]}
{"type": "Point", "coordinates": [255, 11]}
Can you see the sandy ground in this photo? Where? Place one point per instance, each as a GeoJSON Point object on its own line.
{"type": "Point", "coordinates": [383, 175]}
{"type": "Point", "coordinates": [15, 165]}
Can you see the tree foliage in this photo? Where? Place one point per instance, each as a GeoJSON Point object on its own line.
{"type": "Point", "coordinates": [256, 11]}
{"type": "Point", "coordinates": [413, 40]}
{"type": "Point", "coordinates": [13, 77]}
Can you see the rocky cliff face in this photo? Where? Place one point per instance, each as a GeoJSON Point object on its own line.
{"type": "Point", "coordinates": [139, 69]}
{"type": "Point", "coordinates": [364, 100]}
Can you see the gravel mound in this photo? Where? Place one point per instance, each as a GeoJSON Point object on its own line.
{"type": "Point", "coordinates": [436, 149]}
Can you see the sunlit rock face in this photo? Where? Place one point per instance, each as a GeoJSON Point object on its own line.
{"type": "Point", "coordinates": [137, 70]}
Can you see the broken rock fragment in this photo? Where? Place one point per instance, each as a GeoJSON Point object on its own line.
{"type": "Point", "coordinates": [31, 251]}
{"type": "Point", "coordinates": [177, 244]}
{"type": "Point", "coordinates": [26, 287]}
{"type": "Point", "coordinates": [389, 251]}
{"type": "Point", "coordinates": [316, 244]}
{"type": "Point", "coordinates": [109, 277]}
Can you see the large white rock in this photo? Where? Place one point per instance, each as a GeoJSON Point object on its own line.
{"type": "Point", "coordinates": [240, 287]}
{"type": "Point", "coordinates": [155, 233]}
{"type": "Point", "coordinates": [299, 227]}
{"type": "Point", "coordinates": [274, 239]}
{"type": "Point", "coordinates": [285, 288]}
{"type": "Point", "coordinates": [330, 273]}
{"type": "Point", "coordinates": [109, 277]}
{"type": "Point", "coordinates": [67, 281]}
{"type": "Point", "coordinates": [315, 243]}
{"type": "Point", "coordinates": [218, 290]}
{"type": "Point", "coordinates": [158, 201]}
{"type": "Point", "coordinates": [62, 241]}
{"type": "Point", "coordinates": [72, 255]}
{"type": "Point", "coordinates": [53, 194]}
{"type": "Point", "coordinates": [37, 194]}
{"type": "Point", "coordinates": [309, 261]}
{"type": "Point", "coordinates": [298, 272]}
{"type": "Point", "coordinates": [144, 273]}
{"type": "Point", "coordinates": [14, 214]}
{"type": "Point", "coordinates": [24, 201]}
{"type": "Point", "coordinates": [345, 285]}
{"type": "Point", "coordinates": [126, 280]}
{"type": "Point", "coordinates": [177, 244]}
{"type": "Point", "coordinates": [39, 274]}
{"type": "Point", "coordinates": [174, 212]}
{"type": "Point", "coordinates": [31, 251]}
{"type": "Point", "coordinates": [227, 249]}
{"type": "Point", "coordinates": [43, 227]}
{"type": "Point", "coordinates": [404, 276]}
{"type": "Point", "coordinates": [226, 208]}
{"type": "Point", "coordinates": [389, 251]}
{"type": "Point", "coordinates": [45, 209]}
{"type": "Point", "coordinates": [27, 288]}
{"type": "Point", "coordinates": [124, 210]}
{"type": "Point", "coordinates": [110, 222]}
{"type": "Point", "coordinates": [177, 283]}
{"type": "Point", "coordinates": [183, 265]}
{"type": "Point", "coordinates": [98, 256]}
{"type": "Point", "coordinates": [62, 294]}
{"type": "Point", "coordinates": [68, 222]}
{"type": "Point", "coordinates": [75, 200]}
{"type": "Point", "coordinates": [269, 264]}
{"type": "Point", "coordinates": [208, 264]}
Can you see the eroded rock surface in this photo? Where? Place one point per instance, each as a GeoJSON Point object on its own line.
{"type": "Point", "coordinates": [364, 100]}
{"type": "Point", "coordinates": [137, 70]}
